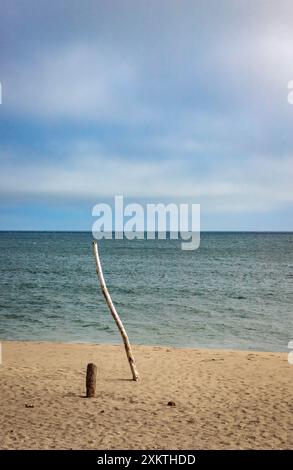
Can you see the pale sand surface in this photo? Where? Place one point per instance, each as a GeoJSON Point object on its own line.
{"type": "Point", "coordinates": [224, 399]}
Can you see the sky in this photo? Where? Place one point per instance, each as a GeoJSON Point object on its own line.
{"type": "Point", "coordinates": [158, 101]}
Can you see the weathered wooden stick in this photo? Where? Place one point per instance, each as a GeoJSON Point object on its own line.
{"type": "Point", "coordinates": [114, 313]}
{"type": "Point", "coordinates": [91, 378]}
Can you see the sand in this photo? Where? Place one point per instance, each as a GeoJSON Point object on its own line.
{"type": "Point", "coordinates": [224, 399]}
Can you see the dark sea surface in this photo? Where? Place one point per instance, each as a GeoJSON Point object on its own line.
{"type": "Point", "coordinates": [234, 292]}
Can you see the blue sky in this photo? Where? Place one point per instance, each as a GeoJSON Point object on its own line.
{"type": "Point", "coordinates": [161, 101]}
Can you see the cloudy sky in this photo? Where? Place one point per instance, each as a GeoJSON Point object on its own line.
{"type": "Point", "coordinates": [157, 100]}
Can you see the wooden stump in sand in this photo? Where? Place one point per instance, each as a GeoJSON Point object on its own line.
{"type": "Point", "coordinates": [91, 378]}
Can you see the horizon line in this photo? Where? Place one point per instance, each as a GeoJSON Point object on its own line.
{"type": "Point", "coordinates": [145, 231]}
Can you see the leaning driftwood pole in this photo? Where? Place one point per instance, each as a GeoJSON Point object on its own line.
{"type": "Point", "coordinates": [114, 313]}
{"type": "Point", "coordinates": [91, 379]}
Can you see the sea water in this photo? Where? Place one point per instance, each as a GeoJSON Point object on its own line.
{"type": "Point", "coordinates": [234, 292]}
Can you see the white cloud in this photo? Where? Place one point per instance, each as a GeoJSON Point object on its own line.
{"type": "Point", "coordinates": [79, 81]}
{"type": "Point", "coordinates": [258, 183]}
{"type": "Point", "coordinates": [207, 86]}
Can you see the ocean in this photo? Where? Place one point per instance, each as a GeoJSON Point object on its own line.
{"type": "Point", "coordinates": [234, 292]}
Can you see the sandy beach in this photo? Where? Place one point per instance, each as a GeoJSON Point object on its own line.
{"type": "Point", "coordinates": [224, 399]}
